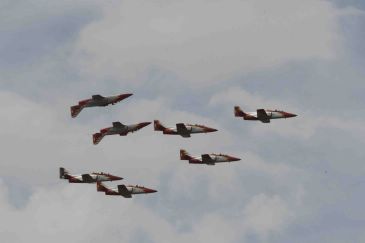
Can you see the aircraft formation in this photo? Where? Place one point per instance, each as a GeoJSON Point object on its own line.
{"type": "Point", "coordinates": [182, 129]}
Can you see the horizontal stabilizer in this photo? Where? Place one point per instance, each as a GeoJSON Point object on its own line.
{"type": "Point", "coordinates": [122, 189]}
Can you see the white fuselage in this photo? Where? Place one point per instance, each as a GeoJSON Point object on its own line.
{"type": "Point", "coordinates": [131, 189]}
{"type": "Point", "coordinates": [270, 114]}
{"type": "Point", "coordinates": [117, 130]}
{"type": "Point", "coordinates": [215, 158]}
{"type": "Point", "coordinates": [190, 128]}
{"type": "Point", "coordinates": [94, 177]}
{"type": "Point", "coordinates": [102, 102]}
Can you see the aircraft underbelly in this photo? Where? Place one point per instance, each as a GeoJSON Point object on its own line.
{"type": "Point", "coordinates": [93, 103]}
{"type": "Point", "coordinates": [114, 131]}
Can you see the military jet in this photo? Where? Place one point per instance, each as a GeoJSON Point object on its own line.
{"type": "Point", "coordinates": [118, 128]}
{"type": "Point", "coordinates": [209, 159]}
{"type": "Point", "coordinates": [262, 115]}
{"type": "Point", "coordinates": [97, 100]}
{"type": "Point", "coordinates": [123, 190]}
{"type": "Point", "coordinates": [182, 129]}
{"type": "Point", "coordinates": [87, 178]}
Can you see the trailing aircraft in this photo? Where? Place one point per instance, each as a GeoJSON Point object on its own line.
{"type": "Point", "coordinates": [118, 128]}
{"type": "Point", "coordinates": [182, 129]}
{"type": "Point", "coordinates": [97, 100]}
{"type": "Point", "coordinates": [262, 115]}
{"type": "Point", "coordinates": [209, 159]}
{"type": "Point", "coordinates": [123, 190]}
{"type": "Point", "coordinates": [87, 178]}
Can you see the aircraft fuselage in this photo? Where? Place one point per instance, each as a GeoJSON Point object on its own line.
{"type": "Point", "coordinates": [270, 113]}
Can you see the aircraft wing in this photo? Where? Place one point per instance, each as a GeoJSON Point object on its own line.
{"type": "Point", "coordinates": [206, 159]}
{"type": "Point", "coordinates": [97, 97]}
{"type": "Point", "coordinates": [118, 125]}
{"type": "Point", "coordinates": [87, 178]}
{"type": "Point", "coordinates": [262, 116]}
{"type": "Point", "coordinates": [182, 130]}
{"type": "Point", "coordinates": [122, 189]}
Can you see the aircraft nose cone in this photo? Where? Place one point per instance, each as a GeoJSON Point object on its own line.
{"type": "Point", "coordinates": [287, 114]}
{"type": "Point", "coordinates": [234, 159]}
{"type": "Point", "coordinates": [211, 130]}
{"type": "Point", "coordinates": [143, 124]}
{"type": "Point", "coordinates": [124, 96]}
{"type": "Point", "coordinates": [148, 190]}
{"type": "Point", "coordinates": [116, 178]}
{"type": "Point", "coordinates": [127, 95]}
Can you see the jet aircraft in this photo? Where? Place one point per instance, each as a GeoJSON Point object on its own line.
{"type": "Point", "coordinates": [262, 115]}
{"type": "Point", "coordinates": [209, 159]}
{"type": "Point", "coordinates": [123, 190]}
{"type": "Point", "coordinates": [87, 178]}
{"type": "Point", "coordinates": [97, 100]}
{"type": "Point", "coordinates": [118, 128]}
{"type": "Point", "coordinates": [182, 129]}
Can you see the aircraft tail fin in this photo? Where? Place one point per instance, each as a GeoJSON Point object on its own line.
{"type": "Point", "coordinates": [184, 155]}
{"type": "Point", "coordinates": [64, 174]}
{"type": "Point", "coordinates": [158, 126]}
{"type": "Point", "coordinates": [97, 137]}
{"type": "Point", "coordinates": [100, 187]}
{"type": "Point", "coordinates": [75, 110]}
{"type": "Point", "coordinates": [238, 112]}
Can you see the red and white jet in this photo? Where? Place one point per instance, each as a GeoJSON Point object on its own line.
{"type": "Point", "coordinates": [262, 115]}
{"type": "Point", "coordinates": [118, 128]}
{"type": "Point", "coordinates": [209, 159]}
{"type": "Point", "coordinates": [97, 100]}
{"type": "Point", "coordinates": [87, 178]}
{"type": "Point", "coordinates": [123, 190]}
{"type": "Point", "coordinates": [182, 129]}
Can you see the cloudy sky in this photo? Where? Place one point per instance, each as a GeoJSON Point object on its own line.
{"type": "Point", "coordinates": [300, 180]}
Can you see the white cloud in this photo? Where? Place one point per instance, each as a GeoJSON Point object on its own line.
{"type": "Point", "coordinates": [79, 214]}
{"type": "Point", "coordinates": [204, 41]}
{"type": "Point", "coordinates": [265, 215]}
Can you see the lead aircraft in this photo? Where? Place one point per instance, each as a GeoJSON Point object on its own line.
{"type": "Point", "coordinates": [182, 129]}
{"type": "Point", "coordinates": [87, 178]}
{"type": "Point", "coordinates": [118, 128]}
{"type": "Point", "coordinates": [123, 190]}
{"type": "Point", "coordinates": [208, 159]}
{"type": "Point", "coordinates": [262, 115]}
{"type": "Point", "coordinates": [97, 100]}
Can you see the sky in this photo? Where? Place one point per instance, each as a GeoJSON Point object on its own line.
{"type": "Point", "coordinates": [299, 180]}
